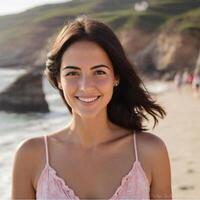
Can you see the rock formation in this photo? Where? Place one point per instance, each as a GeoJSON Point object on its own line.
{"type": "Point", "coordinates": [169, 52]}
{"type": "Point", "coordinates": [25, 94]}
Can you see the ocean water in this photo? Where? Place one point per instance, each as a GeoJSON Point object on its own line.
{"type": "Point", "coordinates": [14, 128]}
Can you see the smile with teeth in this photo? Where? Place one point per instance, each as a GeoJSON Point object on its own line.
{"type": "Point", "coordinates": [88, 99]}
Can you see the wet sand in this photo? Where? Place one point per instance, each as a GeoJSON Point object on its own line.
{"type": "Point", "coordinates": [181, 132]}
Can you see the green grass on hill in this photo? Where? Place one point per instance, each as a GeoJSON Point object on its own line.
{"type": "Point", "coordinates": [119, 14]}
{"type": "Point", "coordinates": [185, 21]}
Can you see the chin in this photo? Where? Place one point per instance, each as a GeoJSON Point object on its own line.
{"type": "Point", "coordinates": [89, 114]}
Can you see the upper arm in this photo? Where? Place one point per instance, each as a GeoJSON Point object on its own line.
{"type": "Point", "coordinates": [22, 172]}
{"type": "Point", "coordinates": [161, 172]}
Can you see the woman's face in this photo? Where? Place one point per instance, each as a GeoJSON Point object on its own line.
{"type": "Point", "coordinates": [86, 78]}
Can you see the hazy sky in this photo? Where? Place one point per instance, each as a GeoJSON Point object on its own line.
{"type": "Point", "coordinates": [15, 6]}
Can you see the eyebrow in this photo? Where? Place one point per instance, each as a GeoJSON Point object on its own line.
{"type": "Point", "coordinates": [78, 68]}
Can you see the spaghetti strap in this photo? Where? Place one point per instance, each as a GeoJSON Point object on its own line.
{"type": "Point", "coordinates": [135, 147]}
{"type": "Point", "coordinates": [134, 185]}
{"type": "Point", "coordinates": [46, 150]}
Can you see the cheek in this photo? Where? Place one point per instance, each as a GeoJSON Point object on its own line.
{"type": "Point", "coordinates": [106, 88]}
{"type": "Point", "coordinates": [68, 88]}
{"type": "Point", "coordinates": [68, 84]}
{"type": "Point", "coordinates": [105, 84]}
{"type": "Point", "coordinates": [102, 83]}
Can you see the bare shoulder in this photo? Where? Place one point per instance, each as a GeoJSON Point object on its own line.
{"type": "Point", "coordinates": [30, 146]}
{"type": "Point", "coordinates": [153, 149]}
{"type": "Point", "coordinates": [29, 152]}
{"type": "Point", "coordinates": [156, 154]}
{"type": "Point", "coordinates": [154, 157]}
{"type": "Point", "coordinates": [27, 161]}
{"type": "Point", "coordinates": [151, 142]}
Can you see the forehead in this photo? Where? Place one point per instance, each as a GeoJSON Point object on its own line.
{"type": "Point", "coordinates": [85, 53]}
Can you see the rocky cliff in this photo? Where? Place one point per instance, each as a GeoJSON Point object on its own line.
{"type": "Point", "coordinates": [25, 94]}
{"type": "Point", "coordinates": [169, 52]}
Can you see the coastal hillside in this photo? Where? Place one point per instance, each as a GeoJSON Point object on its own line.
{"type": "Point", "coordinates": [24, 36]}
{"type": "Point", "coordinates": [159, 37]}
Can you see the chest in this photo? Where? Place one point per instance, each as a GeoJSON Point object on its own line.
{"type": "Point", "coordinates": [95, 175]}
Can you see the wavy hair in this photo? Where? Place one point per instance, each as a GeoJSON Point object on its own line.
{"type": "Point", "coordinates": [131, 103]}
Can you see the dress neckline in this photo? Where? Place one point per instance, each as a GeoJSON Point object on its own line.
{"type": "Point", "coordinates": [72, 193]}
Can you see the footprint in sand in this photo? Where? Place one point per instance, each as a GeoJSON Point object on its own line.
{"type": "Point", "coordinates": [186, 187]}
{"type": "Point", "coordinates": [190, 171]}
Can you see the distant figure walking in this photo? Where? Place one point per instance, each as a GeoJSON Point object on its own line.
{"type": "Point", "coordinates": [196, 84]}
{"type": "Point", "coordinates": [184, 78]}
{"type": "Point", "coordinates": [190, 78]}
{"type": "Point", "coordinates": [178, 80]}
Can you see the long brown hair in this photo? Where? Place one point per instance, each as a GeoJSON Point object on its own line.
{"type": "Point", "coordinates": [131, 103]}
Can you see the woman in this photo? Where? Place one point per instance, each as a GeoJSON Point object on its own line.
{"type": "Point", "coordinates": [104, 152]}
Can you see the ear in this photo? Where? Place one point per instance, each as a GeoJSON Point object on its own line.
{"type": "Point", "coordinates": [60, 85]}
{"type": "Point", "coordinates": [117, 79]}
{"type": "Point", "coordinates": [116, 82]}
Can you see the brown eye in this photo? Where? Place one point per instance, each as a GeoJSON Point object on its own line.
{"type": "Point", "coordinates": [71, 74]}
{"type": "Point", "coordinates": [99, 72]}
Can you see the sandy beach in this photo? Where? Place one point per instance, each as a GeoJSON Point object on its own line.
{"type": "Point", "coordinates": [181, 132]}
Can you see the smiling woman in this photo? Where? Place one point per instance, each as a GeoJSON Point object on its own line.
{"type": "Point", "coordinates": [87, 88]}
{"type": "Point", "coordinates": [97, 155]}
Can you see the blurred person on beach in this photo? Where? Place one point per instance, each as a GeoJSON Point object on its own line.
{"type": "Point", "coordinates": [186, 76]}
{"type": "Point", "coordinates": [105, 151]}
{"type": "Point", "coordinates": [196, 83]}
{"type": "Point", "coordinates": [178, 80]}
{"type": "Point", "coordinates": [190, 78]}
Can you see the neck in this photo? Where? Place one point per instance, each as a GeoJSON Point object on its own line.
{"type": "Point", "coordinates": [91, 132]}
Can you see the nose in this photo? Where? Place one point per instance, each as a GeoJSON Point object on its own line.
{"type": "Point", "coordinates": [86, 83]}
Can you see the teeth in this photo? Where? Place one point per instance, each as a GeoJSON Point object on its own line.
{"type": "Point", "coordinates": [87, 99]}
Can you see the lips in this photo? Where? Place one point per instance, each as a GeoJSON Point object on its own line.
{"type": "Point", "coordinates": [88, 99]}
